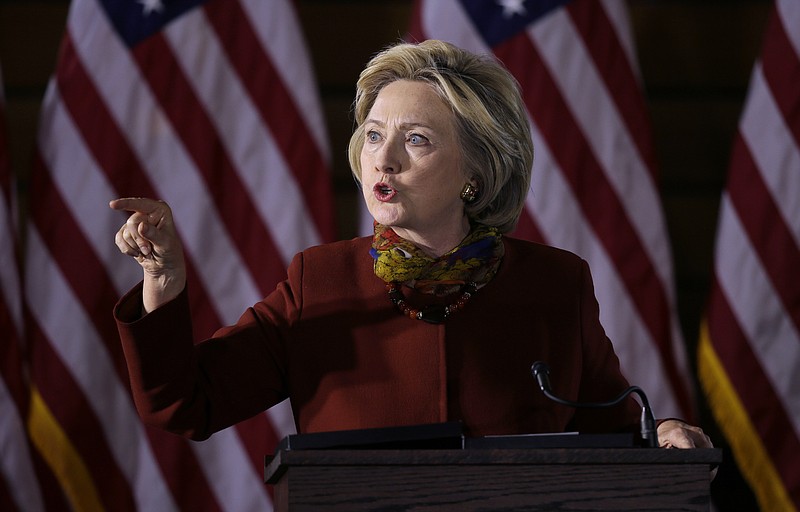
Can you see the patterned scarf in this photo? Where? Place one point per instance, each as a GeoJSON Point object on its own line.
{"type": "Point", "coordinates": [476, 259]}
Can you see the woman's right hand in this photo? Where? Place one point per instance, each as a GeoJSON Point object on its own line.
{"type": "Point", "coordinates": [149, 236]}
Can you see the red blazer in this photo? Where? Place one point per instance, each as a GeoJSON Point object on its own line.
{"type": "Point", "coordinates": [329, 338]}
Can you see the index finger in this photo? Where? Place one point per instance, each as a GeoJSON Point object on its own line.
{"type": "Point", "coordinates": [135, 204]}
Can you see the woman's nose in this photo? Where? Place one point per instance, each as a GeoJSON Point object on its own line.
{"type": "Point", "coordinates": [388, 159]}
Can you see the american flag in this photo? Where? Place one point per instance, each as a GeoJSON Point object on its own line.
{"type": "Point", "coordinates": [211, 106]}
{"type": "Point", "coordinates": [19, 485]}
{"type": "Point", "coordinates": [594, 188]}
{"type": "Point", "coordinates": [749, 353]}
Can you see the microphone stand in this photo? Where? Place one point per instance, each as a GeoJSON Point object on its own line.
{"type": "Point", "coordinates": [647, 422]}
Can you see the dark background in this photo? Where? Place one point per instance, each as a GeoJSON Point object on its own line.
{"type": "Point", "coordinates": [695, 55]}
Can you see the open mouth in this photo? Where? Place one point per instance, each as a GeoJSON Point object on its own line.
{"type": "Point", "coordinates": [383, 192]}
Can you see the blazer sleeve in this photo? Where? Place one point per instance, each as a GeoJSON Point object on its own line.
{"type": "Point", "coordinates": [193, 389]}
{"type": "Point", "coordinates": [600, 376]}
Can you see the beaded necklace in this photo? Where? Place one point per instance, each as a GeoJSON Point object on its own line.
{"type": "Point", "coordinates": [432, 313]}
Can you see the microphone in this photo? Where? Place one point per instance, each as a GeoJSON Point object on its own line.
{"type": "Point", "coordinates": [647, 422]}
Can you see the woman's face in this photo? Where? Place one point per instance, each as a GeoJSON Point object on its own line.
{"type": "Point", "coordinates": [411, 166]}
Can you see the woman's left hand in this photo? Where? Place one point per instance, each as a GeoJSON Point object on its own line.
{"type": "Point", "coordinates": [677, 434]}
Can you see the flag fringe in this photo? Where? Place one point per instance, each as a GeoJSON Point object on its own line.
{"type": "Point", "coordinates": [749, 452]}
{"type": "Point", "coordinates": [56, 449]}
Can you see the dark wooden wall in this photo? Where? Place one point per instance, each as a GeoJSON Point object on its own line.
{"type": "Point", "coordinates": [696, 57]}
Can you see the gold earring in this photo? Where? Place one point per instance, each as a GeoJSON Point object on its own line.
{"type": "Point", "coordinates": [469, 193]}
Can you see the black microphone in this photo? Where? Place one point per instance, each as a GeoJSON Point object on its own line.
{"type": "Point", "coordinates": [647, 422]}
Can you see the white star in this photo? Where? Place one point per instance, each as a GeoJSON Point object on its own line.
{"type": "Point", "coordinates": [512, 7]}
{"type": "Point", "coordinates": [150, 6]}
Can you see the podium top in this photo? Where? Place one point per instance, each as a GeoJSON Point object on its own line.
{"type": "Point", "coordinates": [277, 465]}
{"type": "Point", "coordinates": [444, 443]}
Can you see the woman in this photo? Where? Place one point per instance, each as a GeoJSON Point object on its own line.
{"type": "Point", "coordinates": [438, 317]}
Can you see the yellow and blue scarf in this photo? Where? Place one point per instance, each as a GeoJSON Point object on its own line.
{"type": "Point", "coordinates": [475, 260]}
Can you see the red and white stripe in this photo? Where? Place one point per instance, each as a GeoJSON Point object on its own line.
{"type": "Point", "coordinates": [750, 346]}
{"type": "Point", "coordinates": [594, 179]}
{"type": "Point", "coordinates": [218, 115]}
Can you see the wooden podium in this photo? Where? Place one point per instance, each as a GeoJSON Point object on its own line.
{"type": "Point", "coordinates": [487, 479]}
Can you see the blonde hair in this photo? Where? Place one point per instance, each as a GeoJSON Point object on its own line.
{"type": "Point", "coordinates": [491, 120]}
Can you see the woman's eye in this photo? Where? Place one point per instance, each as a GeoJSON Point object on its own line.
{"type": "Point", "coordinates": [373, 136]}
{"type": "Point", "coordinates": [416, 139]}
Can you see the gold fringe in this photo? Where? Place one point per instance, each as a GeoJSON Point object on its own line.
{"type": "Point", "coordinates": [751, 456]}
{"type": "Point", "coordinates": [56, 449]}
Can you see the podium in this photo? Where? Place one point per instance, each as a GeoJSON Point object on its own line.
{"type": "Point", "coordinates": [472, 479]}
